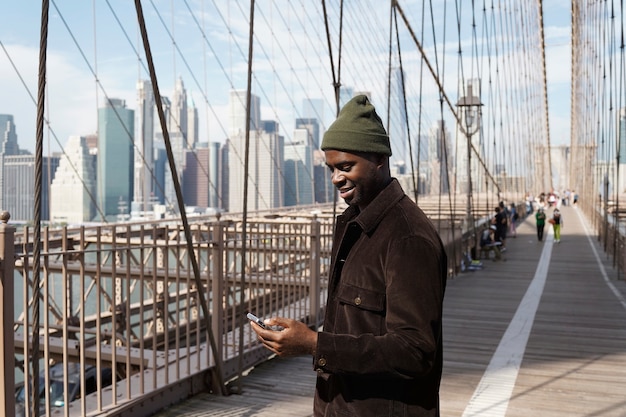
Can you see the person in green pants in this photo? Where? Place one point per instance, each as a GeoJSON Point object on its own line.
{"type": "Point", "coordinates": [557, 223]}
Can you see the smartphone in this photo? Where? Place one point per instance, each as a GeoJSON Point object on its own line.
{"type": "Point", "coordinates": [257, 320]}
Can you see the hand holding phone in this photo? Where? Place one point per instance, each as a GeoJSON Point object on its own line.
{"type": "Point", "coordinates": [258, 321]}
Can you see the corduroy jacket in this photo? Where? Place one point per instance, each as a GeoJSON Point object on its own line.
{"type": "Point", "coordinates": [380, 350]}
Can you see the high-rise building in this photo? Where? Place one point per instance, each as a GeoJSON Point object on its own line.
{"type": "Point", "coordinates": [177, 129]}
{"type": "Point", "coordinates": [144, 148]}
{"type": "Point", "coordinates": [115, 157]}
{"type": "Point", "coordinates": [439, 158]}
{"type": "Point", "coordinates": [324, 187]}
{"type": "Point", "coordinates": [313, 131]}
{"type": "Point", "coordinates": [73, 190]}
{"type": "Point", "coordinates": [192, 125]}
{"type": "Point", "coordinates": [237, 112]}
{"type": "Point", "coordinates": [265, 171]}
{"type": "Point", "coordinates": [8, 135]}
{"type": "Point", "coordinates": [298, 172]}
{"type": "Point", "coordinates": [19, 193]}
{"type": "Point", "coordinates": [265, 158]}
{"type": "Point", "coordinates": [201, 177]}
{"type": "Point", "coordinates": [398, 135]}
{"type": "Point", "coordinates": [8, 146]}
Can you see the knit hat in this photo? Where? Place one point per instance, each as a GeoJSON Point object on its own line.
{"type": "Point", "coordinates": [357, 129]}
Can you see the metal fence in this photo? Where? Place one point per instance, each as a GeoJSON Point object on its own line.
{"type": "Point", "coordinates": [121, 327]}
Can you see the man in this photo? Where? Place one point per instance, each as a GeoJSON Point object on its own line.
{"type": "Point", "coordinates": [380, 351]}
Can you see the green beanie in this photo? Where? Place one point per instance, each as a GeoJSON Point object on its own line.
{"type": "Point", "coordinates": [357, 129]}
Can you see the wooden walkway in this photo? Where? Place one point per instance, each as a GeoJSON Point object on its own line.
{"type": "Point", "coordinates": [542, 333]}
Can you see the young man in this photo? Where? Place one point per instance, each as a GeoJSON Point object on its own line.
{"type": "Point", "coordinates": [380, 351]}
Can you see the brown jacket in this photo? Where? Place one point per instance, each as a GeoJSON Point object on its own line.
{"type": "Point", "coordinates": [380, 351]}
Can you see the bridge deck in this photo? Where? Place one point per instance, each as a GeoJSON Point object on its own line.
{"type": "Point", "coordinates": [540, 333]}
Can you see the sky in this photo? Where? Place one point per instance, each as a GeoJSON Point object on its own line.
{"type": "Point", "coordinates": [73, 93]}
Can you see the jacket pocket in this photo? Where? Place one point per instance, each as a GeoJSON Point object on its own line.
{"type": "Point", "coordinates": [362, 298]}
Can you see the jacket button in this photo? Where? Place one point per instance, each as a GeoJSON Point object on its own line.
{"type": "Point", "coordinates": [357, 301]}
{"type": "Point", "coordinates": [321, 362]}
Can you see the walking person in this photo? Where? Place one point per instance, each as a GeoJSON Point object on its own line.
{"type": "Point", "coordinates": [380, 350]}
{"type": "Point", "coordinates": [502, 224]}
{"type": "Point", "coordinates": [557, 223]}
{"type": "Point", "coordinates": [513, 217]}
{"type": "Point", "coordinates": [540, 219]}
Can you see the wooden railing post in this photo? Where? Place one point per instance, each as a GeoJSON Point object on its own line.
{"type": "Point", "coordinates": [7, 348]}
{"type": "Point", "coordinates": [315, 284]}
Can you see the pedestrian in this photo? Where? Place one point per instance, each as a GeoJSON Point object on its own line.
{"type": "Point", "coordinates": [557, 223]}
{"type": "Point", "coordinates": [540, 218]}
{"type": "Point", "coordinates": [513, 217]}
{"type": "Point", "coordinates": [489, 243]}
{"type": "Point", "coordinates": [380, 350]}
{"type": "Point", "coordinates": [501, 222]}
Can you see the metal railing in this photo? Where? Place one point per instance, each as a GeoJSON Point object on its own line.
{"type": "Point", "coordinates": [121, 301]}
{"type": "Point", "coordinates": [121, 329]}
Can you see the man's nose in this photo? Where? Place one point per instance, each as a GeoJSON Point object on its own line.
{"type": "Point", "coordinates": [337, 177]}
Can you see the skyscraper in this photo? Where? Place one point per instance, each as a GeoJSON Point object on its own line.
{"type": "Point", "coordinates": [8, 135]}
{"type": "Point", "coordinates": [265, 170]}
{"type": "Point", "coordinates": [313, 129]}
{"type": "Point", "coordinates": [144, 145]}
{"type": "Point", "coordinates": [398, 121]}
{"type": "Point", "coordinates": [201, 176]}
{"type": "Point", "coordinates": [298, 173]}
{"type": "Point", "coordinates": [439, 158]}
{"type": "Point", "coordinates": [19, 193]}
{"type": "Point", "coordinates": [115, 156]}
{"type": "Point", "coordinates": [237, 112]}
{"type": "Point", "coordinates": [74, 186]}
{"type": "Point", "coordinates": [8, 146]}
{"type": "Point", "coordinates": [177, 128]}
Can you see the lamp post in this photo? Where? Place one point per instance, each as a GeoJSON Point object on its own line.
{"type": "Point", "coordinates": [469, 105]}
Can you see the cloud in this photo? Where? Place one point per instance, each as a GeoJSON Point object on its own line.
{"type": "Point", "coordinates": [70, 101]}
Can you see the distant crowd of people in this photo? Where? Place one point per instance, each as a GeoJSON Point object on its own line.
{"type": "Point", "coordinates": [552, 201]}
{"type": "Point", "coordinates": [502, 224]}
{"type": "Point", "coordinates": [544, 209]}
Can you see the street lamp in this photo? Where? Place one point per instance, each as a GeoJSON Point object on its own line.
{"type": "Point", "coordinates": [469, 105]}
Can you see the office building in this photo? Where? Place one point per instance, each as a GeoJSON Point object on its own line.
{"type": "Point", "coordinates": [8, 135]}
{"type": "Point", "coordinates": [201, 176]}
{"type": "Point", "coordinates": [265, 157]}
{"type": "Point", "coordinates": [313, 131]}
{"type": "Point", "coordinates": [143, 169]}
{"type": "Point", "coordinates": [299, 176]}
{"type": "Point", "coordinates": [115, 158]}
{"type": "Point", "coordinates": [19, 192]}
{"type": "Point", "coordinates": [73, 189]}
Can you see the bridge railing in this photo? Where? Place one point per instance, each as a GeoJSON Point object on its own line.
{"type": "Point", "coordinates": [121, 327]}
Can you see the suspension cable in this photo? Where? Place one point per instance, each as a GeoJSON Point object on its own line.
{"type": "Point", "coordinates": [218, 383]}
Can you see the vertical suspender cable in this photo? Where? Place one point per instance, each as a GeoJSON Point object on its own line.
{"type": "Point", "coordinates": [217, 381]}
{"type": "Point", "coordinates": [246, 169]}
{"type": "Point", "coordinates": [406, 112]}
{"type": "Point", "coordinates": [336, 78]}
{"type": "Point", "coordinates": [43, 46]}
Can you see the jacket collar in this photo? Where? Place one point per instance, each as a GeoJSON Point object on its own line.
{"type": "Point", "coordinates": [375, 211]}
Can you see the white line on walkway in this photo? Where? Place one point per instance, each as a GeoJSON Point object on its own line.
{"type": "Point", "coordinates": [605, 276]}
{"type": "Point", "coordinates": [491, 398]}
